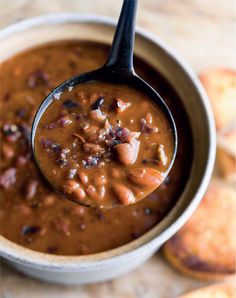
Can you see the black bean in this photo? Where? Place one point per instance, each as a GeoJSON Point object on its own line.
{"type": "Point", "coordinates": [21, 113]}
{"type": "Point", "coordinates": [101, 216]}
{"type": "Point", "coordinates": [51, 249]}
{"type": "Point", "coordinates": [30, 230]}
{"type": "Point", "coordinates": [49, 144]}
{"type": "Point", "coordinates": [25, 131]}
{"type": "Point", "coordinates": [56, 147]}
{"type": "Point", "coordinates": [134, 235]}
{"type": "Point", "coordinates": [98, 103]}
{"type": "Point", "coordinates": [62, 162]}
{"type": "Point", "coordinates": [70, 104]}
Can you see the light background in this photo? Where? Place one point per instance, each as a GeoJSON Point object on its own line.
{"type": "Point", "coordinates": [204, 33]}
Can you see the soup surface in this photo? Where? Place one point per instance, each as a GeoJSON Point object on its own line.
{"type": "Point", "coordinates": [32, 214]}
{"type": "Point", "coordinates": [104, 145]}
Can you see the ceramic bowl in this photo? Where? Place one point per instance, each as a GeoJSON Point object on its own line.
{"type": "Point", "coordinates": [112, 263]}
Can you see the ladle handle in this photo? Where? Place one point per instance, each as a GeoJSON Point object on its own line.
{"type": "Point", "coordinates": [121, 53]}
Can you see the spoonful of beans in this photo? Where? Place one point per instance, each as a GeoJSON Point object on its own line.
{"type": "Point", "coordinates": [106, 138]}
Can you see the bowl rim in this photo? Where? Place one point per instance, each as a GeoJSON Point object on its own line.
{"type": "Point", "coordinates": [34, 259]}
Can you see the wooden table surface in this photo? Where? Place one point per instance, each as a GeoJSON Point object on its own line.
{"type": "Point", "coordinates": [203, 32]}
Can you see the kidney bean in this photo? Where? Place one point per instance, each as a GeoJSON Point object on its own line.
{"type": "Point", "coordinates": [43, 231]}
{"type": "Point", "coordinates": [97, 115]}
{"type": "Point", "coordinates": [123, 194]}
{"type": "Point", "coordinates": [62, 225]}
{"type": "Point", "coordinates": [90, 130]}
{"type": "Point", "coordinates": [127, 137]}
{"type": "Point", "coordinates": [8, 178]}
{"type": "Point", "coordinates": [83, 249]}
{"type": "Point", "coordinates": [147, 128]}
{"type": "Point", "coordinates": [22, 160]}
{"type": "Point", "coordinates": [127, 153]}
{"type": "Point", "coordinates": [82, 226]}
{"type": "Point", "coordinates": [161, 154]}
{"type": "Point", "coordinates": [74, 188]}
{"type": "Point", "coordinates": [149, 118]}
{"type": "Point", "coordinates": [83, 177]}
{"type": "Point", "coordinates": [146, 177]}
{"type": "Point", "coordinates": [93, 138]}
{"type": "Point", "coordinates": [31, 189]}
{"type": "Point", "coordinates": [24, 210]}
{"type": "Point", "coordinates": [49, 200]}
{"type": "Point", "coordinates": [78, 210]}
{"type": "Point", "coordinates": [7, 151]}
{"type": "Point", "coordinates": [115, 173]}
{"type": "Point", "coordinates": [93, 193]}
{"type": "Point", "coordinates": [101, 191]}
{"type": "Point", "coordinates": [100, 180]}
{"type": "Point", "coordinates": [17, 71]}
{"type": "Point", "coordinates": [79, 193]}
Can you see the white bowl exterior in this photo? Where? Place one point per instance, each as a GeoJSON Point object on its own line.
{"type": "Point", "coordinates": [97, 274]}
{"type": "Point", "coordinates": [102, 266]}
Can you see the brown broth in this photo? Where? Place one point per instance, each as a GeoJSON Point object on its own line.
{"type": "Point", "coordinates": [32, 215]}
{"type": "Point", "coordinates": [104, 145]}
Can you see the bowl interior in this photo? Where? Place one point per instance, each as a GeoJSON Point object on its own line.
{"type": "Point", "coordinates": [70, 27]}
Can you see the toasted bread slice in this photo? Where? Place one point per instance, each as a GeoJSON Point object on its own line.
{"type": "Point", "coordinates": [225, 164]}
{"type": "Point", "coordinates": [226, 153]}
{"type": "Point", "coordinates": [214, 291]}
{"type": "Point", "coordinates": [227, 138]}
{"type": "Point", "coordinates": [205, 247]}
{"type": "Point", "coordinates": [220, 85]}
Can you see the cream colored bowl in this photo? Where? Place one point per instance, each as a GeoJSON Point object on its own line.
{"type": "Point", "coordinates": [109, 264]}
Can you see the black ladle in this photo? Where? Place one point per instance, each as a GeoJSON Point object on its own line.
{"type": "Point", "coordinates": [118, 69]}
